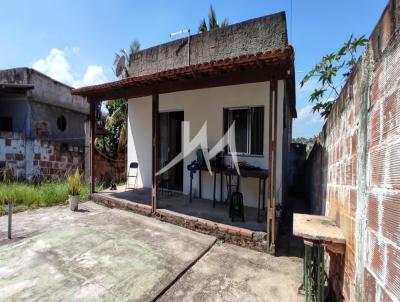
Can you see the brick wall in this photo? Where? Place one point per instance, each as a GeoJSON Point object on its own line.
{"type": "Point", "coordinates": [26, 158]}
{"type": "Point", "coordinates": [109, 169]}
{"type": "Point", "coordinates": [354, 169]}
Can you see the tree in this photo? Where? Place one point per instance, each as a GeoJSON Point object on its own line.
{"type": "Point", "coordinates": [331, 73]}
{"type": "Point", "coordinates": [115, 123]}
{"type": "Point", "coordinates": [212, 22]}
{"type": "Point", "coordinates": [115, 120]}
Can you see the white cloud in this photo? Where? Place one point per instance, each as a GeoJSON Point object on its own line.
{"type": "Point", "coordinates": [56, 65]}
{"type": "Point", "coordinates": [94, 75]}
{"type": "Point", "coordinates": [308, 123]}
{"type": "Point", "coordinates": [306, 114]}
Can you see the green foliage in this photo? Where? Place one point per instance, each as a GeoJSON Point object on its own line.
{"type": "Point", "coordinates": [29, 196]}
{"type": "Point", "coordinates": [116, 124]}
{"type": "Point", "coordinates": [74, 183]}
{"type": "Point", "coordinates": [212, 22]}
{"type": "Point", "coordinates": [115, 119]}
{"type": "Point", "coordinates": [331, 73]}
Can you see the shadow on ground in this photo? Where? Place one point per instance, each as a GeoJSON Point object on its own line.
{"type": "Point", "coordinates": [287, 244]}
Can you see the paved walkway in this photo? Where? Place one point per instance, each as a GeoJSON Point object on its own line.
{"type": "Point", "coordinates": [113, 255]}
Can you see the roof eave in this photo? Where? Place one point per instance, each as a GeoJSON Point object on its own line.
{"type": "Point", "coordinates": [244, 69]}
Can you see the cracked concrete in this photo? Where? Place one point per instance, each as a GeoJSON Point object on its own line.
{"type": "Point", "coordinates": [231, 273]}
{"type": "Point", "coordinates": [113, 255]}
{"type": "Point", "coordinates": [96, 254]}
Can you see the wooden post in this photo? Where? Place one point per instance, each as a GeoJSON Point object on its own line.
{"type": "Point", "coordinates": [10, 212]}
{"type": "Point", "coordinates": [155, 143]}
{"type": "Point", "coordinates": [92, 116]}
{"type": "Point", "coordinates": [273, 115]}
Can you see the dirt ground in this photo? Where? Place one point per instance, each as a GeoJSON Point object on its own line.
{"type": "Point", "coordinates": [101, 254]}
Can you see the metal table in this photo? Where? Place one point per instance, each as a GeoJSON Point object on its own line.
{"type": "Point", "coordinates": [215, 171]}
{"type": "Point", "coordinates": [260, 174]}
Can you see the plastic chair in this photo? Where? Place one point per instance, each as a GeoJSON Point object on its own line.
{"type": "Point", "coordinates": [135, 167]}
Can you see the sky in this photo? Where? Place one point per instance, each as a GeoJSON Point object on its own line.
{"type": "Point", "coordinates": [75, 41]}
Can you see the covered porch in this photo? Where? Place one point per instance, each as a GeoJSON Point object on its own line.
{"type": "Point", "coordinates": [199, 207]}
{"type": "Point", "coordinates": [200, 214]}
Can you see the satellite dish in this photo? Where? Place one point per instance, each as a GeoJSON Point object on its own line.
{"type": "Point", "coordinates": [120, 66]}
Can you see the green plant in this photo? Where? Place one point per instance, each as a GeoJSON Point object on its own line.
{"type": "Point", "coordinates": [332, 72]}
{"type": "Point", "coordinates": [74, 183]}
{"type": "Point", "coordinates": [212, 22]}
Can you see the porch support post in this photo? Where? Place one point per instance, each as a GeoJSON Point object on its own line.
{"type": "Point", "coordinates": [155, 143]}
{"type": "Point", "coordinates": [273, 115]}
{"type": "Point", "coordinates": [92, 117]}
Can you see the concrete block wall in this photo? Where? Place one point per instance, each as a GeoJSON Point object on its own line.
{"type": "Point", "coordinates": [27, 159]}
{"type": "Point", "coordinates": [354, 170]}
{"type": "Point", "coordinates": [266, 33]}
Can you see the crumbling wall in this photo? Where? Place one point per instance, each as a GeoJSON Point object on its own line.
{"type": "Point", "coordinates": [354, 170]}
{"type": "Point", "coordinates": [46, 89]}
{"type": "Point", "coordinates": [44, 119]}
{"type": "Point", "coordinates": [28, 159]}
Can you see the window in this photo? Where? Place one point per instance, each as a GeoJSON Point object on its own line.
{"type": "Point", "coordinates": [249, 128]}
{"type": "Point", "coordinates": [6, 124]}
{"type": "Point", "coordinates": [61, 123]}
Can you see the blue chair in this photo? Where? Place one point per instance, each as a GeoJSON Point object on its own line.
{"type": "Point", "coordinates": [132, 174]}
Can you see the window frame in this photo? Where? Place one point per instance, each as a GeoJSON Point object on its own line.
{"type": "Point", "coordinates": [248, 152]}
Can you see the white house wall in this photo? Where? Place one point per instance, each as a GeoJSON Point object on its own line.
{"type": "Point", "coordinates": [199, 106]}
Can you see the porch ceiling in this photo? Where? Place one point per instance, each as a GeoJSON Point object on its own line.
{"type": "Point", "coordinates": [239, 70]}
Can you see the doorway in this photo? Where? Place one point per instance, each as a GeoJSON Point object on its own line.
{"type": "Point", "coordinates": [171, 146]}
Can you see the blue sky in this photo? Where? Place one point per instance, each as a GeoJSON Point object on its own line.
{"type": "Point", "coordinates": [75, 41]}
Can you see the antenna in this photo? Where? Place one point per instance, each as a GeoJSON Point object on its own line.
{"type": "Point", "coordinates": [181, 32]}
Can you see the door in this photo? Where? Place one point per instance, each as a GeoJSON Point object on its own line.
{"type": "Point", "coordinates": [170, 147]}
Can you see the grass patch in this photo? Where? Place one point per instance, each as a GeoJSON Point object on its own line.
{"type": "Point", "coordinates": [29, 196]}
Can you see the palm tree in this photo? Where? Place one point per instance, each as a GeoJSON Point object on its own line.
{"type": "Point", "coordinates": [212, 22]}
{"type": "Point", "coordinates": [116, 121]}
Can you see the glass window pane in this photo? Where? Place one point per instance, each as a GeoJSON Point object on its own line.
{"type": "Point", "coordinates": [240, 118]}
{"type": "Point", "coordinates": [257, 130]}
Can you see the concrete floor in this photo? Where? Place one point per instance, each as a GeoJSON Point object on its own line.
{"type": "Point", "coordinates": [113, 255]}
{"type": "Point", "coordinates": [202, 208]}
{"type": "Point", "coordinates": [231, 273]}
{"type": "Point", "coordinates": [59, 255]}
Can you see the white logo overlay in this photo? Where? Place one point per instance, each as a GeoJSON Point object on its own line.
{"type": "Point", "coordinates": [201, 140]}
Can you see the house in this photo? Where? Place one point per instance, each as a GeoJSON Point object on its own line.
{"type": "Point", "coordinates": [42, 125]}
{"type": "Point", "coordinates": [243, 73]}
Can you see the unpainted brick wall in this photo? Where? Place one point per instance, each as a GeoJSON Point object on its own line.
{"type": "Point", "coordinates": [27, 159]}
{"type": "Point", "coordinates": [109, 169]}
{"type": "Point", "coordinates": [354, 169]}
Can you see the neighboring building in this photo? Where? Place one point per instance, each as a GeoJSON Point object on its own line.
{"type": "Point", "coordinates": [39, 115]}
{"type": "Point", "coordinates": [41, 107]}
{"type": "Point", "coordinates": [243, 72]}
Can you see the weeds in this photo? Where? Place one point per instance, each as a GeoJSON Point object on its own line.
{"type": "Point", "coordinates": [29, 196]}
